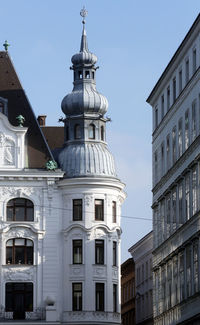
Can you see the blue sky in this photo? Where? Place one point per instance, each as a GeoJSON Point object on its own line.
{"type": "Point", "coordinates": [134, 41]}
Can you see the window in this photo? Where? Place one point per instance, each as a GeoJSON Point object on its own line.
{"type": "Point", "coordinates": [102, 133]}
{"type": "Point", "coordinates": [194, 57]}
{"type": "Point", "coordinates": [114, 253]}
{"type": "Point", "coordinates": [91, 132]}
{"type": "Point", "coordinates": [2, 108]}
{"type": "Point", "coordinates": [80, 74]}
{"type": "Point", "coordinates": [20, 210]}
{"type": "Point", "coordinates": [186, 129]}
{"type": "Point", "coordinates": [114, 211]}
{"type": "Point", "coordinates": [168, 208]}
{"type": "Point", "coordinates": [180, 81]}
{"type": "Point", "coordinates": [19, 298]}
{"type": "Point", "coordinates": [174, 145]}
{"type": "Point", "coordinates": [196, 265]}
{"type": "Point", "coordinates": [147, 268]}
{"type": "Point", "coordinates": [169, 284]}
{"type": "Point", "coordinates": [174, 90]}
{"type": "Point", "coordinates": [174, 205]}
{"type": "Point", "coordinates": [99, 210]}
{"type": "Point", "coordinates": [67, 133]}
{"type": "Point", "coordinates": [156, 166]}
{"type": "Point", "coordinates": [187, 196]}
{"type": "Point", "coordinates": [168, 98]}
{"type": "Point", "coordinates": [99, 296]}
{"type": "Point", "coordinates": [114, 298]}
{"type": "Point", "coordinates": [180, 138]}
{"type": "Point", "coordinates": [99, 251]}
{"type": "Point", "coordinates": [77, 131]}
{"type": "Point", "coordinates": [162, 159]}
{"type": "Point", "coordinates": [77, 251]}
{"type": "Point", "coordinates": [194, 124]}
{"type": "Point", "coordinates": [188, 270]}
{"type": "Point", "coordinates": [77, 209]}
{"type": "Point", "coordinates": [168, 151]}
{"type": "Point", "coordinates": [77, 296]}
{"type": "Point", "coordinates": [19, 251]}
{"type": "Point", "coordinates": [156, 117]}
{"type": "Point", "coordinates": [181, 272]}
{"type": "Point", "coordinates": [162, 106]}
{"type": "Point", "coordinates": [180, 202]}
{"type": "Point", "coordinates": [194, 190]}
{"type": "Point", "coordinates": [87, 74]}
{"type": "Point", "coordinates": [187, 71]}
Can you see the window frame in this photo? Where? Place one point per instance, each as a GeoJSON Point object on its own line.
{"type": "Point", "coordinates": [99, 209]}
{"type": "Point", "coordinates": [99, 252]}
{"type": "Point", "coordinates": [25, 253]}
{"type": "Point", "coordinates": [77, 251]}
{"type": "Point", "coordinates": [77, 302]}
{"type": "Point", "coordinates": [14, 207]}
{"type": "Point", "coordinates": [77, 209]}
{"type": "Point", "coordinates": [100, 296]}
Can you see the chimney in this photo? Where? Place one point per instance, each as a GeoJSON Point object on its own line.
{"type": "Point", "coordinates": [42, 120]}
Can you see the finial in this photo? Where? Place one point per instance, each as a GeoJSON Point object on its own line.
{"type": "Point", "coordinates": [6, 46]}
{"type": "Point", "coordinates": [83, 14]}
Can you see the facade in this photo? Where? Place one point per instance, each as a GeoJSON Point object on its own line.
{"type": "Point", "coordinates": [142, 255]}
{"type": "Point", "coordinates": [175, 101]}
{"type": "Point", "coordinates": [60, 227]}
{"type": "Point", "coordinates": [128, 292]}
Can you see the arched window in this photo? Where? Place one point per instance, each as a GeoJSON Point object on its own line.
{"type": "Point", "coordinates": [91, 131]}
{"type": "Point", "coordinates": [19, 251]}
{"type": "Point", "coordinates": [77, 131]}
{"type": "Point", "coordinates": [102, 133]}
{"type": "Point", "coordinates": [20, 210]}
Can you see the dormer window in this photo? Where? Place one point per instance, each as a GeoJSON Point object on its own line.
{"type": "Point", "coordinates": [102, 133]}
{"type": "Point", "coordinates": [2, 108]}
{"type": "Point", "coordinates": [77, 131]}
{"type": "Point", "coordinates": [92, 74]}
{"type": "Point", "coordinates": [80, 75]}
{"type": "Point", "coordinates": [87, 74]}
{"type": "Point", "coordinates": [91, 131]}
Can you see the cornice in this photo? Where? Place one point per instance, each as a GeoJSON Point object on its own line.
{"type": "Point", "coordinates": [97, 226]}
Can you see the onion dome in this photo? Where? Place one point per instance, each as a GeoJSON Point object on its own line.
{"type": "Point", "coordinates": [84, 97]}
{"type": "Point", "coordinates": [87, 159]}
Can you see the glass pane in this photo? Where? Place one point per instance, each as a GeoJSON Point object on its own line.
{"type": "Point", "coordinates": [19, 213]}
{"type": "Point", "coordinates": [29, 203]}
{"type": "Point", "coordinates": [9, 242]}
{"type": "Point", "coordinates": [29, 242]}
{"type": "Point", "coordinates": [10, 214]}
{"type": "Point", "coordinates": [19, 202]}
{"type": "Point", "coordinates": [29, 214]}
{"type": "Point", "coordinates": [8, 255]}
{"type": "Point", "coordinates": [29, 253]}
{"type": "Point", "coordinates": [10, 203]}
{"type": "Point", "coordinates": [19, 255]}
{"type": "Point", "coordinates": [19, 242]}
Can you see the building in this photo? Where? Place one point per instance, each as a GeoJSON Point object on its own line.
{"type": "Point", "coordinates": [142, 255]}
{"type": "Point", "coordinates": [128, 292]}
{"type": "Point", "coordinates": [175, 101]}
{"type": "Point", "coordinates": [60, 227]}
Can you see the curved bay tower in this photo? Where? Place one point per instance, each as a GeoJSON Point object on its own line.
{"type": "Point", "coordinates": [92, 197]}
{"type": "Point", "coordinates": [59, 227]}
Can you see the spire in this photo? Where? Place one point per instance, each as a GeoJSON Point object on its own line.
{"type": "Point", "coordinates": [84, 45]}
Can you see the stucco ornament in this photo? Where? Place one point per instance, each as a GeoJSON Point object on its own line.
{"type": "Point", "coordinates": [18, 274]}
{"type": "Point", "coordinates": [7, 150]}
{"type": "Point", "coordinates": [20, 233]}
{"type": "Point", "coordinates": [88, 200]}
{"type": "Point", "coordinates": [16, 191]}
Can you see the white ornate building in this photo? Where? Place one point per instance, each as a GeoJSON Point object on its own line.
{"type": "Point", "coordinates": [175, 100]}
{"type": "Point", "coordinates": [60, 228]}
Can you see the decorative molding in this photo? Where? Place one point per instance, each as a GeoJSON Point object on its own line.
{"type": "Point", "coordinates": [16, 191]}
{"type": "Point", "coordinates": [88, 200]}
{"type": "Point", "coordinates": [17, 273]}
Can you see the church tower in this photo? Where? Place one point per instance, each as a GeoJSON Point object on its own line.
{"type": "Point", "coordinates": [92, 197]}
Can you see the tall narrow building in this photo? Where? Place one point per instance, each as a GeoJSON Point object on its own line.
{"type": "Point", "coordinates": [175, 101]}
{"type": "Point", "coordinates": [60, 227]}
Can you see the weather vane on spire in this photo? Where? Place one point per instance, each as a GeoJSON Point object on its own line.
{"type": "Point", "coordinates": [83, 14]}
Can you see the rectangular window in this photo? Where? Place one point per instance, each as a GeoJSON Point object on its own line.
{"type": "Point", "coordinates": [114, 253]}
{"type": "Point", "coordinates": [168, 98]}
{"type": "Point", "coordinates": [174, 90]}
{"type": "Point", "coordinates": [162, 159]}
{"type": "Point", "coordinates": [180, 202]}
{"type": "Point", "coordinates": [162, 217]}
{"type": "Point", "coordinates": [194, 190]}
{"type": "Point", "coordinates": [187, 196]}
{"type": "Point", "coordinates": [114, 211]}
{"type": "Point", "coordinates": [194, 57]}
{"type": "Point", "coordinates": [99, 296]}
{"type": "Point", "coordinates": [181, 274]}
{"type": "Point", "coordinates": [168, 151]}
{"type": "Point", "coordinates": [174, 205]}
{"type": "Point", "coordinates": [174, 145]}
{"type": "Point", "coordinates": [186, 129]}
{"type": "Point", "coordinates": [156, 117]}
{"type": "Point", "coordinates": [180, 138]}
{"type": "Point", "coordinates": [77, 209]}
{"type": "Point", "coordinates": [162, 106]}
{"type": "Point", "coordinates": [169, 284]}
{"type": "Point", "coordinates": [77, 296]}
{"type": "Point", "coordinates": [188, 270]}
{"type": "Point", "coordinates": [168, 209]}
{"type": "Point", "coordinates": [147, 269]}
{"type": "Point", "coordinates": [156, 166]}
{"type": "Point", "coordinates": [142, 272]}
{"type": "Point", "coordinates": [180, 81]}
{"type": "Point", "coordinates": [77, 251]}
{"type": "Point", "coordinates": [99, 210]}
{"type": "Point", "coordinates": [186, 71]}
{"type": "Point", "coordinates": [194, 123]}
{"type": "Point", "coordinates": [114, 298]}
{"type": "Point", "coordinates": [99, 251]}
{"type": "Point", "coordinates": [196, 266]}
